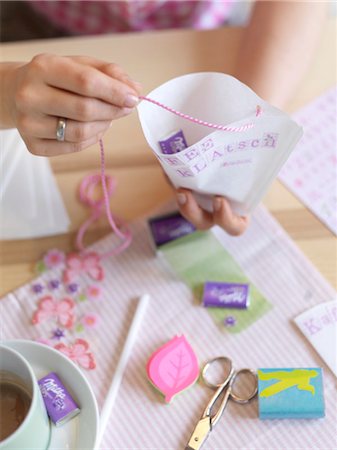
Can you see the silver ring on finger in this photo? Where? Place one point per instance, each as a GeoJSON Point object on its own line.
{"type": "Point", "coordinates": [61, 129]}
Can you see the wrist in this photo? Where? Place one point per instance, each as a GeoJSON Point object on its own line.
{"type": "Point", "coordinates": [8, 81]}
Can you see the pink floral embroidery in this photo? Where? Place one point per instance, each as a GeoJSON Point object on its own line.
{"type": "Point", "coordinates": [37, 288]}
{"type": "Point", "coordinates": [88, 263]}
{"type": "Point", "coordinates": [53, 258]}
{"type": "Point", "coordinates": [93, 292]}
{"type": "Point", "coordinates": [78, 352]}
{"type": "Point", "coordinates": [58, 334]}
{"type": "Point", "coordinates": [90, 320]}
{"type": "Point", "coordinates": [62, 310]}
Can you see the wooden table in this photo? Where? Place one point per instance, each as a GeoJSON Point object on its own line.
{"type": "Point", "coordinates": [153, 58]}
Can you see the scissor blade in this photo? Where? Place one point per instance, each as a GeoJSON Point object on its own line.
{"type": "Point", "coordinates": [200, 434]}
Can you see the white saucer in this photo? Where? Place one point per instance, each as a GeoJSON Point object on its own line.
{"type": "Point", "coordinates": [81, 432]}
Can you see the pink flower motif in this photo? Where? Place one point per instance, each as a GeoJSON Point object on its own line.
{"type": "Point", "coordinates": [88, 263]}
{"type": "Point", "coordinates": [54, 258]}
{"type": "Point", "coordinates": [94, 292]}
{"type": "Point", "coordinates": [62, 311]}
{"type": "Point", "coordinates": [90, 320]}
{"type": "Point", "coordinates": [79, 352]}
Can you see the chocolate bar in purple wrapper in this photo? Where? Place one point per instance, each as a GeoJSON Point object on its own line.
{"type": "Point", "coordinates": [169, 227]}
{"type": "Point", "coordinates": [173, 143]}
{"type": "Point", "coordinates": [59, 404]}
{"type": "Point", "coordinates": [226, 295]}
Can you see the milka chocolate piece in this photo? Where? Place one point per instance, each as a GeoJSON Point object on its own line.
{"type": "Point", "coordinates": [173, 143]}
{"type": "Point", "coordinates": [226, 295]}
{"type": "Point", "coordinates": [59, 404]}
{"type": "Point", "coordinates": [169, 227]}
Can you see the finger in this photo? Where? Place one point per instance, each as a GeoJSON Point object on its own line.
{"type": "Point", "coordinates": [66, 73]}
{"type": "Point", "coordinates": [48, 147]}
{"type": "Point", "coordinates": [56, 102]}
{"type": "Point", "coordinates": [226, 219]}
{"type": "Point", "coordinates": [44, 127]}
{"type": "Point", "coordinates": [190, 209]}
{"type": "Point", "coordinates": [111, 69]}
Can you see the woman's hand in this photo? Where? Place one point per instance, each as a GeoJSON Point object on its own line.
{"type": "Point", "coordinates": [87, 92]}
{"type": "Point", "coordinates": [222, 214]}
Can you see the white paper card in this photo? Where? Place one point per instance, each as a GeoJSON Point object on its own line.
{"type": "Point", "coordinates": [311, 171]}
{"type": "Point", "coordinates": [319, 326]}
{"type": "Point", "coordinates": [30, 201]}
{"type": "Point", "coordinates": [237, 165]}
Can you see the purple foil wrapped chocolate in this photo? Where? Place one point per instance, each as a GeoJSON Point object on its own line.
{"type": "Point", "coordinates": [226, 295]}
{"type": "Point", "coordinates": [173, 143]}
{"type": "Point", "coordinates": [59, 404]}
{"type": "Point", "coordinates": [169, 227]}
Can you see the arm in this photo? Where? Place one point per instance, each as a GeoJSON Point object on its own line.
{"type": "Point", "coordinates": [88, 93]}
{"type": "Point", "coordinates": [278, 46]}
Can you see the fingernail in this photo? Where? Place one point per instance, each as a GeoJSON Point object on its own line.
{"type": "Point", "coordinates": [131, 101]}
{"type": "Point", "coordinates": [127, 111]}
{"type": "Point", "coordinates": [182, 199]}
{"type": "Point", "coordinates": [110, 124]}
{"type": "Point", "coordinates": [217, 204]}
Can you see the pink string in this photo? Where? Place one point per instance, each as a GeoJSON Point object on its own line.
{"type": "Point", "coordinates": [87, 186]}
{"type": "Point", "coordinates": [202, 122]}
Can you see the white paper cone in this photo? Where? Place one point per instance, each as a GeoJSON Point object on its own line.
{"type": "Point", "coordinates": [237, 165]}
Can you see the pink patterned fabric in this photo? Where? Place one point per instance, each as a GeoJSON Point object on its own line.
{"type": "Point", "coordinates": [99, 17]}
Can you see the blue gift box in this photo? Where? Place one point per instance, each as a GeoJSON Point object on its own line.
{"type": "Point", "coordinates": [290, 393]}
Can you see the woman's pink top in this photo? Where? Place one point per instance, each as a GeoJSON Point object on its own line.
{"type": "Point", "coordinates": [99, 17]}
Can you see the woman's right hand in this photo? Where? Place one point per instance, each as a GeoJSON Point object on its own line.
{"type": "Point", "coordinates": [87, 92]}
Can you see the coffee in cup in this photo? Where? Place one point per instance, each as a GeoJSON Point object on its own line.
{"type": "Point", "coordinates": [24, 423]}
{"type": "Point", "coordinates": [15, 401]}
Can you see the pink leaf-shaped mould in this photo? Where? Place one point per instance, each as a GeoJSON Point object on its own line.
{"type": "Point", "coordinates": [173, 367]}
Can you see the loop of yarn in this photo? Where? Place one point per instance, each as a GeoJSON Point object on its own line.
{"type": "Point", "coordinates": [97, 206]}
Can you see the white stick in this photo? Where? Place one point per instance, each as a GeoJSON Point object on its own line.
{"type": "Point", "coordinates": [123, 360]}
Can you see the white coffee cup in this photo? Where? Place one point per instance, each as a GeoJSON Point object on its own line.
{"type": "Point", "coordinates": [34, 431]}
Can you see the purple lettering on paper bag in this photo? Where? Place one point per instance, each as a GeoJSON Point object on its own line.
{"type": "Point", "coordinates": [226, 295]}
{"type": "Point", "coordinates": [174, 143]}
{"type": "Point", "coordinates": [59, 404]}
{"type": "Point", "coordinates": [169, 227]}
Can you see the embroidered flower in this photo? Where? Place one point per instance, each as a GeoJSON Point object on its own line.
{"type": "Point", "coordinates": [94, 292]}
{"type": "Point", "coordinates": [53, 284]}
{"type": "Point", "coordinates": [58, 334]}
{"type": "Point", "coordinates": [88, 263]}
{"type": "Point", "coordinates": [90, 320]}
{"type": "Point", "coordinates": [78, 352]}
{"type": "Point", "coordinates": [62, 311]}
{"type": "Point", "coordinates": [230, 321]}
{"type": "Point", "coordinates": [37, 288]}
{"type": "Point", "coordinates": [72, 288]}
{"type": "Point", "coordinates": [40, 267]}
{"type": "Point", "coordinates": [54, 258]}
{"type": "Point", "coordinates": [81, 298]}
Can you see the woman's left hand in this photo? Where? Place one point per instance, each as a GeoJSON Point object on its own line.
{"type": "Point", "coordinates": [222, 214]}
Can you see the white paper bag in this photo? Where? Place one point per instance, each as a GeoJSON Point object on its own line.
{"type": "Point", "coordinates": [237, 165]}
{"type": "Point", "coordinates": [30, 202]}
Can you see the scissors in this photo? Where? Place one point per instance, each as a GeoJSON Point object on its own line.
{"type": "Point", "coordinates": [227, 389]}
